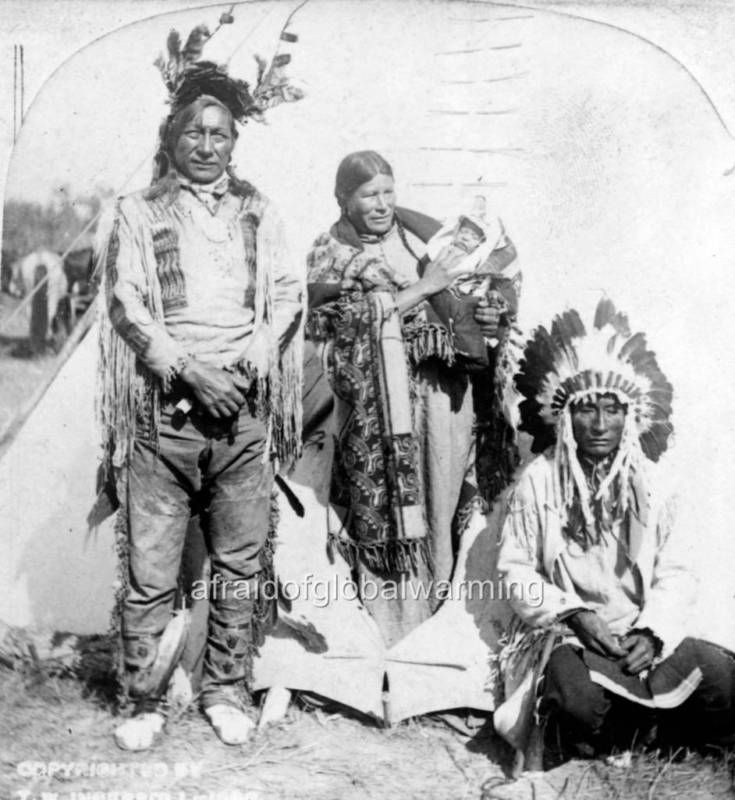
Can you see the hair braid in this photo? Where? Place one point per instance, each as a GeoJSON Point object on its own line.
{"type": "Point", "coordinates": [404, 238]}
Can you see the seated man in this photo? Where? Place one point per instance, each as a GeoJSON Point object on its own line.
{"type": "Point", "coordinates": [605, 657]}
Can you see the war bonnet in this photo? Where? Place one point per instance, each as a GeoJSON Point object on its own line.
{"type": "Point", "coordinates": [567, 364]}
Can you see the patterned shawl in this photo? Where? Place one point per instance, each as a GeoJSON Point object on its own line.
{"type": "Point", "coordinates": [372, 357]}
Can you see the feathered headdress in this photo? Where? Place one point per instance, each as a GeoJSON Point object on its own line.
{"type": "Point", "coordinates": [566, 364]}
{"type": "Point", "coordinates": [186, 77]}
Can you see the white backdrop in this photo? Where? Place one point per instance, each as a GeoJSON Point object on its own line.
{"type": "Point", "coordinates": [601, 152]}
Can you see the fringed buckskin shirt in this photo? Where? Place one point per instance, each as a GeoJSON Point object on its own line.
{"type": "Point", "coordinates": [198, 271]}
{"type": "Point", "coordinates": [205, 256]}
{"type": "Point", "coordinates": [635, 576]}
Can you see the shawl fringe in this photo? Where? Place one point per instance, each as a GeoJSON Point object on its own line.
{"type": "Point", "coordinates": [429, 340]}
{"type": "Point", "coordinates": [395, 555]}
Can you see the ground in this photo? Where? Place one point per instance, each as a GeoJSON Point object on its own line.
{"type": "Point", "coordinates": [53, 724]}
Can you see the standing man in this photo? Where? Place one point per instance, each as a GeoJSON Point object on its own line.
{"type": "Point", "coordinates": [203, 306]}
{"type": "Point", "coordinates": [608, 656]}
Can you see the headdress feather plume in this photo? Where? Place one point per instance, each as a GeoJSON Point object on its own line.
{"type": "Point", "coordinates": [195, 44]}
{"type": "Point", "coordinates": [172, 69]}
{"type": "Point", "coordinates": [173, 45]}
{"type": "Point", "coordinates": [186, 76]}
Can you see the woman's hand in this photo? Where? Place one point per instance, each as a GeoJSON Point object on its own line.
{"type": "Point", "coordinates": [443, 270]}
{"type": "Point", "coordinates": [439, 274]}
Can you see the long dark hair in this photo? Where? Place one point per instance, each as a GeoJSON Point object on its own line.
{"type": "Point", "coordinates": [358, 168]}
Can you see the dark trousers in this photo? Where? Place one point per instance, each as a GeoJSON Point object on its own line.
{"type": "Point", "coordinates": [589, 716]}
{"type": "Point", "coordinates": [317, 403]}
{"type": "Point", "coordinates": [217, 470]}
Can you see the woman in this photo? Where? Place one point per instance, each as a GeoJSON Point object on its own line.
{"type": "Point", "coordinates": [404, 469]}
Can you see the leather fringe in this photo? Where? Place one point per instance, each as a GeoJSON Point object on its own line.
{"type": "Point", "coordinates": [122, 584]}
{"type": "Point", "coordinates": [265, 612]}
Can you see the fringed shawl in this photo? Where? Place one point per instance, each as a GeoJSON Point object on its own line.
{"type": "Point", "coordinates": [373, 354]}
{"type": "Point", "coordinates": [375, 471]}
{"type": "Point", "coordinates": [129, 391]}
{"type": "Point", "coordinates": [375, 475]}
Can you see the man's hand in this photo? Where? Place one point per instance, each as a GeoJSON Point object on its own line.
{"type": "Point", "coordinates": [220, 393]}
{"type": "Point", "coordinates": [641, 650]}
{"type": "Point", "coordinates": [593, 632]}
{"type": "Point", "coordinates": [487, 316]}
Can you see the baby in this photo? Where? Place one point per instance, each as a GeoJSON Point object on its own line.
{"type": "Point", "coordinates": [482, 276]}
{"type": "Point", "coordinates": [469, 235]}
{"type": "Point", "coordinates": [477, 238]}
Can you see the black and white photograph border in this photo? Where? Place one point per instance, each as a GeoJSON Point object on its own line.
{"type": "Point", "coordinates": [600, 132]}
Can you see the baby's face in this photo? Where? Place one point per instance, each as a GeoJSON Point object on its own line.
{"type": "Point", "coordinates": [467, 238]}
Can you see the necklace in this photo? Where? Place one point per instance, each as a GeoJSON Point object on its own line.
{"type": "Point", "coordinates": [215, 228]}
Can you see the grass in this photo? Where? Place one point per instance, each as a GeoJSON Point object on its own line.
{"type": "Point", "coordinates": [683, 774]}
{"type": "Point", "coordinates": [315, 753]}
